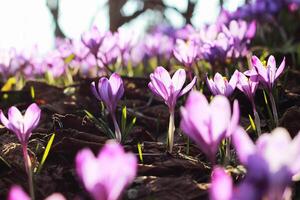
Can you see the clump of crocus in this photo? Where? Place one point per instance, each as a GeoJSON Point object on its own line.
{"type": "Point", "coordinates": [221, 86]}
{"type": "Point", "coordinates": [17, 193]}
{"type": "Point", "coordinates": [270, 163]}
{"type": "Point", "coordinates": [106, 175]}
{"type": "Point", "coordinates": [170, 89]}
{"type": "Point", "coordinates": [267, 76]}
{"type": "Point", "coordinates": [22, 126]}
{"type": "Point", "coordinates": [110, 91]}
{"type": "Point", "coordinates": [208, 124]}
{"type": "Point", "coordinates": [248, 86]}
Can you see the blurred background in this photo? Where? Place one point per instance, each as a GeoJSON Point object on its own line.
{"type": "Point", "coordinates": [38, 22]}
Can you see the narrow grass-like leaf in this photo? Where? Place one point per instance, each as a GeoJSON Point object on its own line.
{"type": "Point", "coordinates": [124, 119]}
{"type": "Point", "coordinates": [102, 125]}
{"type": "Point", "coordinates": [46, 153]}
{"type": "Point", "coordinates": [139, 146]}
{"type": "Point", "coordinates": [252, 123]}
{"type": "Point", "coordinates": [129, 128]}
{"type": "Point", "coordinates": [32, 92]}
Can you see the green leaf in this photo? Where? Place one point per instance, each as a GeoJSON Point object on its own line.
{"type": "Point", "coordinates": [124, 118]}
{"type": "Point", "coordinates": [46, 153]}
{"type": "Point", "coordinates": [139, 146]}
{"type": "Point", "coordinates": [32, 92]}
{"type": "Point", "coordinates": [252, 123]}
{"type": "Point", "coordinates": [101, 124]}
{"type": "Point", "coordinates": [129, 128]}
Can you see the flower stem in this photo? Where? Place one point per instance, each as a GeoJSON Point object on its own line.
{"type": "Point", "coordinates": [27, 162]}
{"type": "Point", "coordinates": [227, 152]}
{"type": "Point", "coordinates": [257, 121]}
{"type": "Point", "coordinates": [274, 109]}
{"type": "Point", "coordinates": [171, 132]}
{"type": "Point", "coordinates": [117, 129]}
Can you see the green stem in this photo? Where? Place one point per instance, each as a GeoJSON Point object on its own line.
{"type": "Point", "coordinates": [171, 131]}
{"type": "Point", "coordinates": [274, 109]}
{"type": "Point", "coordinates": [227, 152]}
{"type": "Point", "coordinates": [117, 129]}
{"type": "Point", "coordinates": [257, 121]}
{"type": "Point", "coordinates": [27, 162]}
{"type": "Point", "coordinates": [256, 118]}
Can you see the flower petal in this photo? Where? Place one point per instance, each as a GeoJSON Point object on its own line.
{"type": "Point", "coordinates": [261, 70]}
{"type": "Point", "coordinates": [17, 193]}
{"type": "Point", "coordinates": [94, 90]}
{"type": "Point", "coordinates": [280, 69]}
{"type": "Point", "coordinates": [188, 87]}
{"type": "Point", "coordinates": [220, 117]}
{"type": "Point", "coordinates": [117, 87]}
{"type": "Point", "coordinates": [178, 80]}
{"type": "Point", "coordinates": [31, 119]}
{"type": "Point", "coordinates": [243, 145]}
{"type": "Point", "coordinates": [221, 185]}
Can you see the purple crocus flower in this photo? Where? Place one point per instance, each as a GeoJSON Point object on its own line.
{"type": "Point", "coordinates": [110, 91]}
{"type": "Point", "coordinates": [22, 126]}
{"type": "Point", "coordinates": [274, 173]}
{"type": "Point", "coordinates": [248, 86]}
{"type": "Point", "coordinates": [185, 52]}
{"type": "Point", "coordinates": [213, 125]}
{"type": "Point", "coordinates": [106, 175]}
{"type": "Point", "coordinates": [221, 86]}
{"type": "Point", "coordinates": [93, 40]}
{"type": "Point", "coordinates": [17, 193]}
{"type": "Point", "coordinates": [267, 74]}
{"type": "Point", "coordinates": [170, 90]}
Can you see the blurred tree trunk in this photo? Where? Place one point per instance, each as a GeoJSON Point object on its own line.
{"type": "Point", "coordinates": [53, 6]}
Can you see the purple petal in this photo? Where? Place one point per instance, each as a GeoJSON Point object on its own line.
{"type": "Point", "coordinates": [251, 30]}
{"type": "Point", "coordinates": [188, 87]}
{"type": "Point", "coordinates": [211, 85]}
{"type": "Point", "coordinates": [31, 119]}
{"type": "Point", "coordinates": [94, 90]}
{"type": "Point", "coordinates": [260, 68]}
{"type": "Point", "coordinates": [163, 75]}
{"type": "Point", "coordinates": [178, 79]}
{"type": "Point", "coordinates": [280, 69]}
{"type": "Point", "coordinates": [221, 185]}
{"type": "Point", "coordinates": [4, 120]}
{"type": "Point", "coordinates": [117, 87]}
{"type": "Point", "coordinates": [17, 193]}
{"type": "Point", "coordinates": [56, 196]}
{"type": "Point", "coordinates": [220, 117]}
{"type": "Point", "coordinates": [243, 145]}
{"type": "Point", "coordinates": [234, 119]}
{"type": "Point", "coordinates": [219, 83]}
{"type": "Point", "coordinates": [160, 87]}
{"type": "Point", "coordinates": [105, 93]}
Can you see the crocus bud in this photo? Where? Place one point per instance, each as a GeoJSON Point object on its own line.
{"type": "Point", "coordinates": [208, 124]}
{"type": "Point", "coordinates": [107, 175]}
{"type": "Point", "coordinates": [110, 91]}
